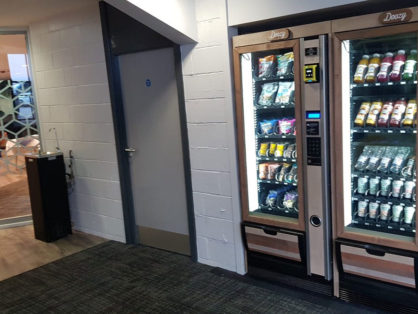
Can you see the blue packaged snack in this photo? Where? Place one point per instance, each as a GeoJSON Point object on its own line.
{"type": "Point", "coordinates": [267, 126]}
{"type": "Point", "coordinates": [268, 93]}
{"type": "Point", "coordinates": [271, 198]}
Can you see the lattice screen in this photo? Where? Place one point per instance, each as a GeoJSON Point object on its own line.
{"type": "Point", "coordinates": [18, 125]}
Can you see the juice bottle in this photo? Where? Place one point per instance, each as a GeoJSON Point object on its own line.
{"type": "Point", "coordinates": [398, 111]}
{"type": "Point", "coordinates": [374, 64]}
{"type": "Point", "coordinates": [362, 113]}
{"type": "Point", "coordinates": [374, 113]}
{"type": "Point", "coordinates": [385, 114]}
{"type": "Point", "coordinates": [398, 62]}
{"type": "Point", "coordinates": [385, 65]}
{"type": "Point", "coordinates": [411, 110]}
{"type": "Point", "coordinates": [361, 69]}
{"type": "Point", "coordinates": [410, 66]}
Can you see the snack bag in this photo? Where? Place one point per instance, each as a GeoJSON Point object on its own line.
{"type": "Point", "coordinates": [265, 66]}
{"type": "Point", "coordinates": [292, 175]}
{"type": "Point", "coordinates": [290, 199]}
{"type": "Point", "coordinates": [285, 93]}
{"type": "Point", "coordinates": [267, 126]}
{"type": "Point", "coordinates": [263, 149]}
{"type": "Point", "coordinates": [400, 158]}
{"type": "Point", "coordinates": [375, 156]}
{"type": "Point", "coordinates": [286, 126]}
{"type": "Point", "coordinates": [272, 149]}
{"type": "Point", "coordinates": [283, 171]}
{"type": "Point", "coordinates": [268, 91]}
{"type": "Point", "coordinates": [363, 158]}
{"type": "Point", "coordinates": [389, 154]}
{"type": "Point", "coordinates": [285, 64]}
{"type": "Point", "coordinates": [272, 171]}
{"type": "Point", "coordinates": [271, 198]}
{"type": "Point", "coordinates": [279, 150]}
{"type": "Point", "coordinates": [288, 153]}
{"type": "Point", "coordinates": [263, 171]}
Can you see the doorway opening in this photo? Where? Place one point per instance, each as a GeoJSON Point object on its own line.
{"type": "Point", "coordinates": [146, 90]}
{"type": "Point", "coordinates": [19, 133]}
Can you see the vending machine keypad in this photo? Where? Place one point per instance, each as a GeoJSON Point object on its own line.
{"type": "Point", "coordinates": [313, 151]}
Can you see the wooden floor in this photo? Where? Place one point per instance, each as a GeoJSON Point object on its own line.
{"type": "Point", "coordinates": [14, 199]}
{"type": "Point", "coordinates": [20, 252]}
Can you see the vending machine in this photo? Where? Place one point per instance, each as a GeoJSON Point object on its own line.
{"type": "Point", "coordinates": [281, 82]}
{"type": "Point", "coordinates": [374, 170]}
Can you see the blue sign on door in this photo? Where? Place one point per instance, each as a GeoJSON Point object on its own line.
{"type": "Point", "coordinates": [148, 82]}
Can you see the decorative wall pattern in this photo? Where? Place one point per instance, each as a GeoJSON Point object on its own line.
{"type": "Point", "coordinates": [18, 125]}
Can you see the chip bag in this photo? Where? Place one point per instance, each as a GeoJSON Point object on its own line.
{"type": "Point", "coordinates": [265, 66]}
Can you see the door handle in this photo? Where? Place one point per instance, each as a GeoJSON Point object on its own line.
{"type": "Point", "coordinates": [130, 151]}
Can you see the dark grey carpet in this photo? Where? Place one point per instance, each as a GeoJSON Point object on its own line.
{"type": "Point", "coordinates": [118, 278]}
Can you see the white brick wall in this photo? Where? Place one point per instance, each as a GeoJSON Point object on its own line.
{"type": "Point", "coordinates": [73, 97]}
{"type": "Point", "coordinates": [209, 104]}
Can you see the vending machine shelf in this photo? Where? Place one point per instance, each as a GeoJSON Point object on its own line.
{"type": "Point", "coordinates": [277, 182]}
{"type": "Point", "coordinates": [289, 78]}
{"type": "Point", "coordinates": [274, 107]}
{"type": "Point", "coordinates": [279, 159]}
{"type": "Point", "coordinates": [383, 131]}
{"type": "Point", "coordinates": [400, 83]}
{"type": "Point", "coordinates": [276, 136]}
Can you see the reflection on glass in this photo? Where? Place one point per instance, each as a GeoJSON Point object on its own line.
{"type": "Point", "coordinates": [379, 96]}
{"type": "Point", "coordinates": [268, 90]}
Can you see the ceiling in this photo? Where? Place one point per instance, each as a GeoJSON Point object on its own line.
{"type": "Point", "coordinates": [15, 13]}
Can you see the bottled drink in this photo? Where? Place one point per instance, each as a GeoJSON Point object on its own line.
{"type": "Point", "coordinates": [398, 111]}
{"type": "Point", "coordinates": [373, 68]}
{"type": "Point", "coordinates": [385, 66]}
{"type": "Point", "coordinates": [362, 113]}
{"type": "Point", "coordinates": [410, 112]}
{"type": "Point", "coordinates": [374, 113]}
{"type": "Point", "coordinates": [398, 63]}
{"type": "Point", "coordinates": [410, 66]}
{"type": "Point", "coordinates": [385, 114]}
{"type": "Point", "coordinates": [361, 69]}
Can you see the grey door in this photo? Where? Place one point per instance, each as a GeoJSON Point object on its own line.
{"type": "Point", "coordinates": [153, 132]}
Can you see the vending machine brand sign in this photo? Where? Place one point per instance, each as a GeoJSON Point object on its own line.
{"type": "Point", "coordinates": [395, 16]}
{"type": "Point", "coordinates": [279, 34]}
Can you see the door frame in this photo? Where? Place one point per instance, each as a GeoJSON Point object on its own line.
{"type": "Point", "coordinates": [18, 221]}
{"type": "Point", "coordinates": [119, 124]}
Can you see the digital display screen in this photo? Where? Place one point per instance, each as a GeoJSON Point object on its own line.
{"type": "Point", "coordinates": [313, 114]}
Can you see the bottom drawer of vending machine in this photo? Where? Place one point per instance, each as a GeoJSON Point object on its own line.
{"type": "Point", "coordinates": [377, 263]}
{"type": "Point", "coordinates": [273, 241]}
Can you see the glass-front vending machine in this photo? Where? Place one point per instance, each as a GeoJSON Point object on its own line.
{"type": "Point", "coordinates": [375, 127]}
{"type": "Point", "coordinates": [281, 82]}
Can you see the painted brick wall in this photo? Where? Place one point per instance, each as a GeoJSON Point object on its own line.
{"type": "Point", "coordinates": [207, 74]}
{"type": "Point", "coordinates": [72, 95]}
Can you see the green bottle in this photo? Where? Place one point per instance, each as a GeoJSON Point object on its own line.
{"type": "Point", "coordinates": [410, 66]}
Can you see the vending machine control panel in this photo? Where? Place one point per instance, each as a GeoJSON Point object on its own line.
{"type": "Point", "coordinates": [313, 151]}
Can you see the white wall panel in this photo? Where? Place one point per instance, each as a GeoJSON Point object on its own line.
{"type": "Point", "coordinates": [211, 128]}
{"type": "Point", "coordinates": [73, 97]}
{"type": "Point", "coordinates": [248, 11]}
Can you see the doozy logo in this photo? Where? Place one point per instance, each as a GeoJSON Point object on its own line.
{"type": "Point", "coordinates": [279, 34]}
{"type": "Point", "coordinates": [395, 16]}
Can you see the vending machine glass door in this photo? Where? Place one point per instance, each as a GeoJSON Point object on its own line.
{"type": "Point", "coordinates": [268, 113]}
{"type": "Point", "coordinates": [378, 123]}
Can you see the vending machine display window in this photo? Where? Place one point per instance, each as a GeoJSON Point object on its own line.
{"type": "Point", "coordinates": [270, 123]}
{"type": "Point", "coordinates": [378, 94]}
